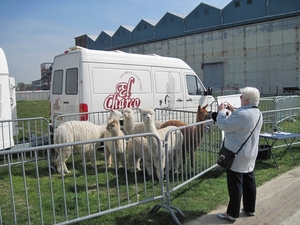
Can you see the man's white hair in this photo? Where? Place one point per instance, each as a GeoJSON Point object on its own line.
{"type": "Point", "coordinates": [252, 94]}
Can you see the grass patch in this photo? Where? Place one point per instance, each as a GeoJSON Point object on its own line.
{"type": "Point", "coordinates": [35, 108]}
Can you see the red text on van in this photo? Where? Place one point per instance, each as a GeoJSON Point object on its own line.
{"type": "Point", "coordinates": [122, 97]}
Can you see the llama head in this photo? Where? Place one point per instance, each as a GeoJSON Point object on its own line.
{"type": "Point", "coordinates": [127, 112]}
{"type": "Point", "coordinates": [113, 125]}
{"type": "Point", "coordinates": [202, 113]}
{"type": "Point", "coordinates": [147, 115]}
{"type": "Point", "coordinates": [114, 114]}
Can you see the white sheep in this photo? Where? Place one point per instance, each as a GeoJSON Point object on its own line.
{"type": "Point", "coordinates": [115, 148]}
{"type": "Point", "coordinates": [73, 131]}
{"type": "Point", "coordinates": [140, 144]}
{"type": "Point", "coordinates": [174, 142]}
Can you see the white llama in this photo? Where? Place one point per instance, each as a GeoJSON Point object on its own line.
{"type": "Point", "coordinates": [137, 148]}
{"type": "Point", "coordinates": [133, 127]}
{"type": "Point", "coordinates": [115, 148]}
{"type": "Point", "coordinates": [174, 142]}
{"type": "Point", "coordinates": [73, 131]}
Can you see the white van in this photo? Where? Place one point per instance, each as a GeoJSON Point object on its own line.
{"type": "Point", "coordinates": [86, 80]}
{"type": "Point", "coordinates": [7, 104]}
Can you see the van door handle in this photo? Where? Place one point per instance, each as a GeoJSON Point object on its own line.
{"type": "Point", "coordinates": [189, 100]}
{"type": "Point", "coordinates": [66, 102]}
{"type": "Point", "coordinates": [179, 100]}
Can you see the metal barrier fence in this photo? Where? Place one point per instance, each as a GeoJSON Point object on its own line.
{"type": "Point", "coordinates": [30, 132]}
{"type": "Point", "coordinates": [87, 192]}
{"type": "Point", "coordinates": [32, 95]}
{"type": "Point", "coordinates": [33, 193]}
{"type": "Point", "coordinates": [279, 102]}
{"type": "Point", "coordinates": [281, 120]}
{"type": "Point", "coordinates": [280, 133]}
{"type": "Point", "coordinates": [102, 116]}
{"type": "Point", "coordinates": [197, 156]}
{"type": "Point", "coordinates": [226, 92]}
{"type": "Point", "coordinates": [94, 117]}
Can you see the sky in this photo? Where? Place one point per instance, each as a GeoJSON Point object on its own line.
{"type": "Point", "coordinates": [34, 31]}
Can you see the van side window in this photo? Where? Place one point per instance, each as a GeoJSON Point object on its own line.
{"type": "Point", "coordinates": [194, 86]}
{"type": "Point", "coordinates": [57, 82]}
{"type": "Point", "coordinates": [72, 81]}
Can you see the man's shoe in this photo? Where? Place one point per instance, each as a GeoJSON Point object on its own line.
{"type": "Point", "coordinates": [225, 216]}
{"type": "Point", "coordinates": [249, 213]}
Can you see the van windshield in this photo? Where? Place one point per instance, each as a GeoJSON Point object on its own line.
{"type": "Point", "coordinates": [194, 86]}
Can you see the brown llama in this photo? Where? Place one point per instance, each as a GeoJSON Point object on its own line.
{"type": "Point", "coordinates": [192, 135]}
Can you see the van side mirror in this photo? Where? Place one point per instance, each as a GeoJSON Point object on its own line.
{"type": "Point", "coordinates": [209, 91]}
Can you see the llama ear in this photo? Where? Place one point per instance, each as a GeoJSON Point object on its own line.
{"type": "Point", "coordinates": [204, 107]}
{"type": "Point", "coordinates": [153, 110]}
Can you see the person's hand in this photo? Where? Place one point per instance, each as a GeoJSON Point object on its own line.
{"type": "Point", "coordinates": [230, 107]}
{"type": "Point", "coordinates": [222, 106]}
{"type": "Point", "coordinates": [226, 105]}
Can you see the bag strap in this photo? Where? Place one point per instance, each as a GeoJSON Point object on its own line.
{"type": "Point", "coordinates": [247, 137]}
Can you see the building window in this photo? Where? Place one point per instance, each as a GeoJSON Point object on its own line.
{"type": "Point", "coordinates": [206, 11]}
{"type": "Point", "coordinates": [249, 2]}
{"type": "Point", "coordinates": [172, 19]}
{"type": "Point", "coordinates": [164, 21]}
{"type": "Point", "coordinates": [196, 13]}
{"type": "Point", "coordinates": [237, 4]}
{"type": "Point", "coordinates": [138, 27]}
{"type": "Point", "coordinates": [145, 26]}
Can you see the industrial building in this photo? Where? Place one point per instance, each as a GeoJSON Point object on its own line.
{"type": "Point", "coordinates": [247, 43]}
{"type": "Point", "coordinates": [44, 82]}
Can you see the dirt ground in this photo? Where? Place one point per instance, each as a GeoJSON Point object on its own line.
{"type": "Point", "coordinates": [278, 203]}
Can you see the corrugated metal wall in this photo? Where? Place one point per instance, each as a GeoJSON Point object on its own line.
{"type": "Point", "coordinates": [122, 36]}
{"type": "Point", "coordinates": [264, 55]}
{"type": "Point", "coordinates": [242, 10]}
{"type": "Point", "coordinates": [170, 25]}
{"type": "Point", "coordinates": [104, 40]}
{"type": "Point", "coordinates": [203, 16]}
{"type": "Point", "coordinates": [143, 31]}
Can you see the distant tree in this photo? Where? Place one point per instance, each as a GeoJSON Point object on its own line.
{"type": "Point", "coordinates": [28, 86]}
{"type": "Point", "coordinates": [21, 86]}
